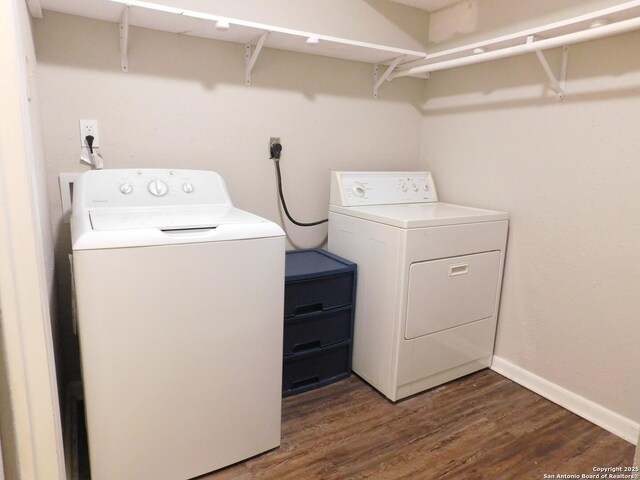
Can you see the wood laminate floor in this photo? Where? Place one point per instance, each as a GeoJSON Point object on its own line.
{"type": "Point", "coordinates": [482, 426]}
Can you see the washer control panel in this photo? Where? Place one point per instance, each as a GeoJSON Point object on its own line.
{"type": "Point", "coordinates": [151, 187]}
{"type": "Point", "coordinates": [381, 188]}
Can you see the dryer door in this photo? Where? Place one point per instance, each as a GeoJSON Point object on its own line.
{"type": "Point", "coordinates": [450, 292]}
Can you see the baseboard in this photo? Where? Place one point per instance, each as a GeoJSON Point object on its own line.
{"type": "Point", "coordinates": [615, 423]}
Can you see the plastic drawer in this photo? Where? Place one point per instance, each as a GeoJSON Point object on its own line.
{"type": "Point", "coordinates": [315, 331]}
{"type": "Point", "coordinates": [316, 368]}
{"type": "Point", "coordinates": [318, 294]}
{"type": "Point", "coordinates": [314, 263]}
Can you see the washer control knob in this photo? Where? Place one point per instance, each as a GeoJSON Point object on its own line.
{"type": "Point", "coordinates": [403, 187]}
{"type": "Point", "coordinates": [158, 188]}
{"type": "Point", "coordinates": [414, 187]}
{"type": "Point", "coordinates": [358, 190]}
{"type": "Point", "coordinates": [425, 187]}
{"type": "Point", "coordinates": [126, 188]}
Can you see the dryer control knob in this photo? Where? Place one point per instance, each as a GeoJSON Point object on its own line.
{"type": "Point", "coordinates": [158, 188]}
{"type": "Point", "coordinates": [126, 188]}
{"type": "Point", "coordinates": [404, 187]}
{"type": "Point", "coordinates": [187, 187]}
{"type": "Point", "coordinates": [425, 187]}
{"type": "Point", "coordinates": [414, 187]}
{"type": "Point", "coordinates": [358, 190]}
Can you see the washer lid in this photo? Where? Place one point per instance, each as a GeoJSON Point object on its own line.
{"type": "Point", "coordinates": [168, 218]}
{"type": "Point", "coordinates": [125, 227]}
{"type": "Point", "coordinates": [417, 215]}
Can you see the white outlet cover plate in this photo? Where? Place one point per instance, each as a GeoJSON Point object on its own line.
{"type": "Point", "coordinates": [89, 127]}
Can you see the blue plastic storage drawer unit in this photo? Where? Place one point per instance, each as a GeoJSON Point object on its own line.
{"type": "Point", "coordinates": [318, 324]}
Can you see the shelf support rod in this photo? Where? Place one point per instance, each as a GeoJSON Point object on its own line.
{"type": "Point", "coordinates": [386, 76]}
{"type": "Point", "coordinates": [563, 68]}
{"type": "Point", "coordinates": [124, 39]}
{"type": "Point", "coordinates": [251, 55]}
{"type": "Point", "coordinates": [557, 84]}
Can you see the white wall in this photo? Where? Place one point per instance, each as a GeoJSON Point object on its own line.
{"type": "Point", "coordinates": [29, 409]}
{"type": "Point", "coordinates": [7, 433]}
{"type": "Point", "coordinates": [5, 413]}
{"type": "Point", "coordinates": [39, 169]}
{"type": "Point", "coordinates": [567, 172]}
{"type": "Point", "coordinates": [184, 104]}
{"type": "Point", "coordinates": [1, 465]}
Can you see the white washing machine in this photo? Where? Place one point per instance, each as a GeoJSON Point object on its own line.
{"type": "Point", "coordinates": [180, 305]}
{"type": "Point", "coordinates": [429, 278]}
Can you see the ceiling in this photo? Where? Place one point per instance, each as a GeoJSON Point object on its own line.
{"type": "Point", "coordinates": [428, 5]}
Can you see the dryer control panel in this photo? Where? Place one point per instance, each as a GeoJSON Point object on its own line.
{"type": "Point", "coordinates": [349, 189]}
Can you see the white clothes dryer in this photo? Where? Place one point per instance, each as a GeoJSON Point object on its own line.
{"type": "Point", "coordinates": [429, 279]}
{"type": "Point", "coordinates": [180, 305]}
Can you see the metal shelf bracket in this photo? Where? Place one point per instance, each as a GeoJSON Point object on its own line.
{"type": "Point", "coordinates": [124, 39]}
{"type": "Point", "coordinates": [379, 80]}
{"type": "Point", "coordinates": [251, 55]}
{"type": "Point", "coordinates": [557, 83]}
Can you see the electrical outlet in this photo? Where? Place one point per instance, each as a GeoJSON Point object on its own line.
{"type": "Point", "coordinates": [89, 127]}
{"type": "Point", "coordinates": [273, 140]}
